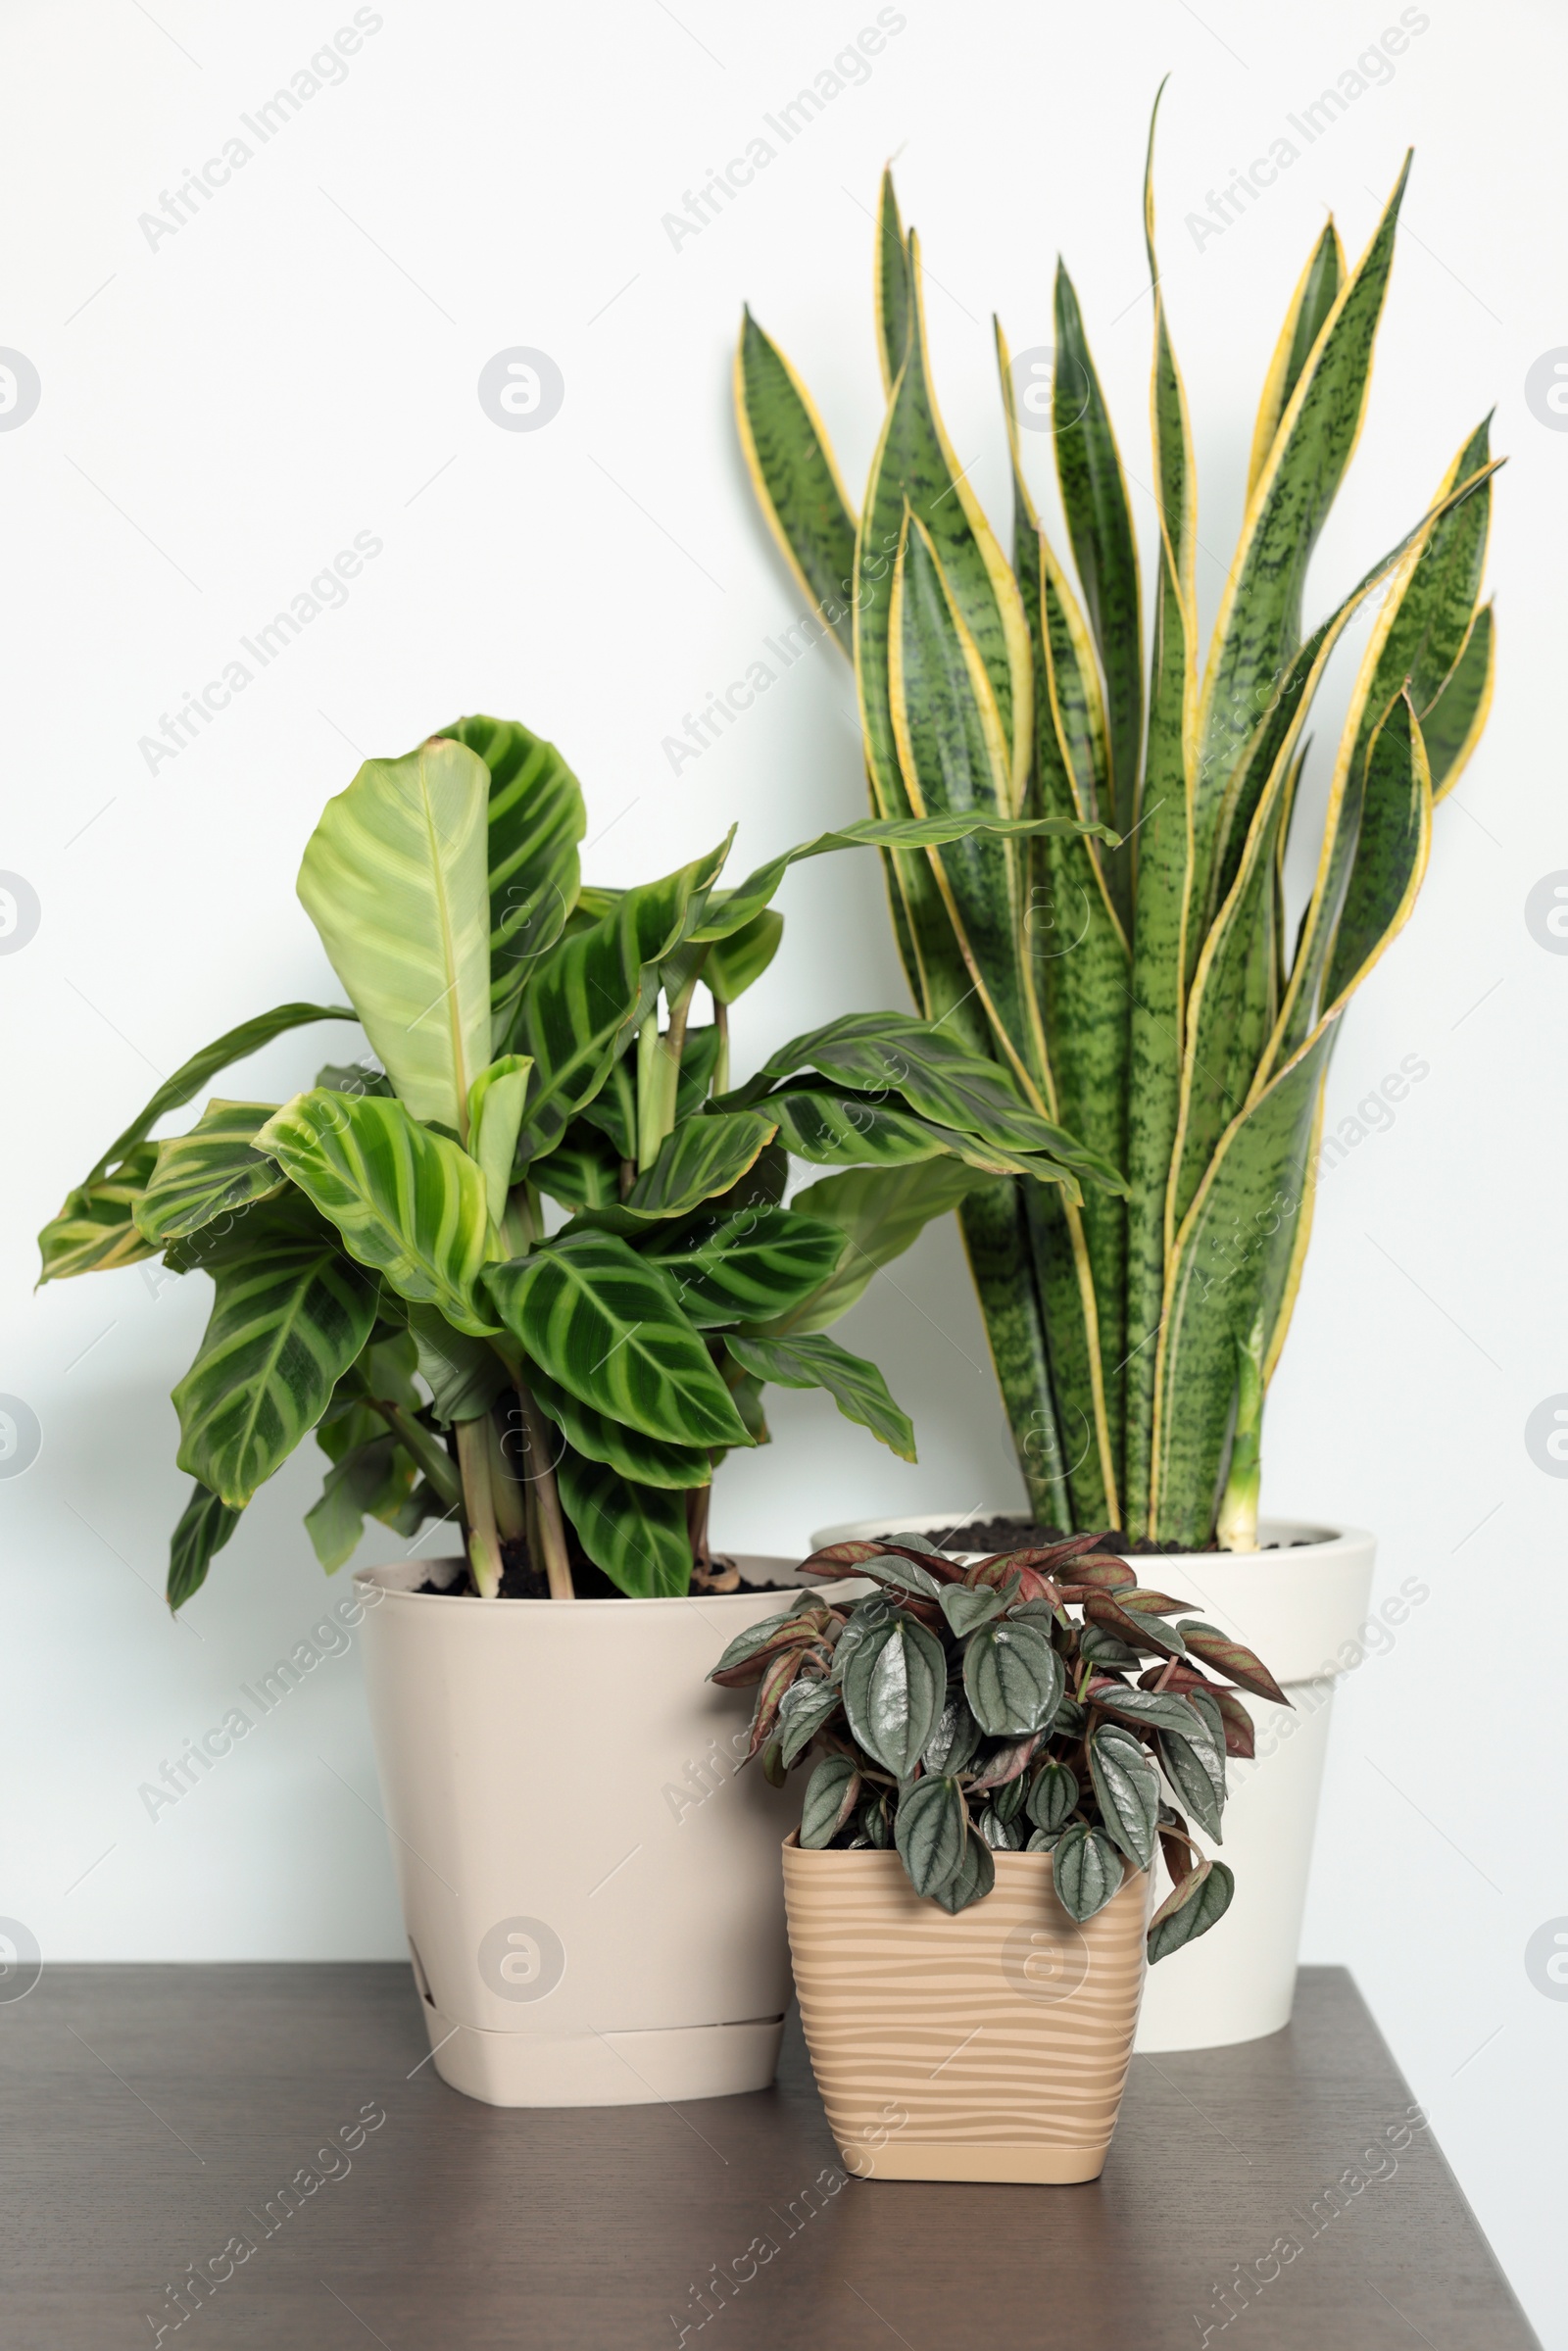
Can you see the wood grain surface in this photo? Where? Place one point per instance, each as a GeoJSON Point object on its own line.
{"type": "Point", "coordinates": [156, 2115]}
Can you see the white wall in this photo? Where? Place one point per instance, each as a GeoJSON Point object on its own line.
{"type": "Point", "coordinates": [223, 411]}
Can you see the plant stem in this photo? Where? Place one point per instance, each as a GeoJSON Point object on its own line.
{"type": "Point", "coordinates": [547, 1501]}
{"type": "Point", "coordinates": [1237, 1529]}
{"type": "Point", "coordinates": [505, 1487]}
{"type": "Point", "coordinates": [428, 1451]}
{"type": "Point", "coordinates": [721, 1061]}
{"type": "Point", "coordinates": [478, 1505]}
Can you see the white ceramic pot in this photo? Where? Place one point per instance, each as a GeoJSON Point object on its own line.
{"type": "Point", "coordinates": [591, 1887]}
{"type": "Point", "coordinates": [1298, 1606]}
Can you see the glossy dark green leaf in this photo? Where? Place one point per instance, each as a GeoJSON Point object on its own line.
{"type": "Point", "coordinates": [966, 1606]}
{"type": "Point", "coordinates": [1007, 1800]}
{"type": "Point", "coordinates": [930, 1831]}
{"type": "Point", "coordinates": [831, 1794]}
{"type": "Point", "coordinates": [1013, 1679]}
{"type": "Point", "coordinates": [752, 1643]}
{"type": "Point", "coordinates": [1198, 1903]}
{"type": "Point", "coordinates": [972, 1881]}
{"type": "Point", "coordinates": [879, 1212]}
{"type": "Point", "coordinates": [895, 1687]}
{"type": "Point", "coordinates": [1052, 1795]}
{"type": "Point", "coordinates": [621, 1447]}
{"type": "Point", "coordinates": [583, 1171]}
{"type": "Point", "coordinates": [954, 1739]}
{"type": "Point", "coordinates": [1155, 1710]}
{"type": "Point", "coordinates": [732, 964]}
{"type": "Point", "coordinates": [995, 1832]}
{"type": "Point", "coordinates": [1127, 1787]}
{"type": "Point", "coordinates": [1196, 1772]}
{"type": "Point", "coordinates": [1086, 1870]}
{"type": "Point", "coordinates": [375, 1479]}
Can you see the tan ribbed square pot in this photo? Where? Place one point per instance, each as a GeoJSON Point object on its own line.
{"type": "Point", "coordinates": [988, 2046]}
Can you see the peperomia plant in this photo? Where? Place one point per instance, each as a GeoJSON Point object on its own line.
{"type": "Point", "coordinates": [959, 1711]}
{"type": "Point", "coordinates": [1151, 995]}
{"type": "Point", "coordinates": [528, 1269]}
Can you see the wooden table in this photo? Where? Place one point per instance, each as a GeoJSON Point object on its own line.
{"type": "Point", "coordinates": [163, 2117]}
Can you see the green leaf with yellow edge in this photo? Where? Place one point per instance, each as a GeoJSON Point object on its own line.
{"type": "Point", "coordinates": [791, 464]}
{"type": "Point", "coordinates": [212, 1170]}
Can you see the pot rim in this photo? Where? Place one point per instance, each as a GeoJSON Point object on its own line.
{"type": "Point", "coordinates": [377, 1578]}
{"type": "Point", "coordinates": [791, 1844]}
{"type": "Point", "coordinates": [1304, 1540]}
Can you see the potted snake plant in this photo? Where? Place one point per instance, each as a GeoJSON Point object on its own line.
{"type": "Point", "coordinates": [972, 1875]}
{"type": "Point", "coordinates": [1148, 992]}
{"type": "Point", "coordinates": [526, 1271]}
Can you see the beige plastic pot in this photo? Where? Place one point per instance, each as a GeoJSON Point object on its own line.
{"type": "Point", "coordinates": [988, 2046]}
{"type": "Point", "coordinates": [1299, 1606]}
{"type": "Point", "coordinates": [590, 1885]}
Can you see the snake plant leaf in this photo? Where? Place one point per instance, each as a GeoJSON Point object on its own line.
{"type": "Point", "coordinates": [405, 1201]}
{"type": "Point", "coordinates": [636, 1534]}
{"type": "Point", "coordinates": [583, 1171]}
{"type": "Point", "coordinates": [1190, 1909]}
{"type": "Point", "coordinates": [1086, 1870]}
{"type": "Point", "coordinates": [96, 1229]}
{"type": "Point", "coordinates": [1100, 528]}
{"type": "Point", "coordinates": [464, 1374]}
{"type": "Point", "coordinates": [1053, 1796]}
{"type": "Point", "coordinates": [205, 1525]}
{"type": "Point", "coordinates": [1423, 630]}
{"type": "Point", "coordinates": [374, 1479]}
{"type": "Point", "coordinates": [702, 1158]}
{"type": "Point", "coordinates": [790, 462]}
{"type": "Point", "coordinates": [395, 880]}
{"type": "Point", "coordinates": [878, 1212]}
{"type": "Point", "coordinates": [915, 467]}
{"type": "Point", "coordinates": [1316, 292]}
{"type": "Point", "coordinates": [895, 310]}
{"type": "Point", "coordinates": [855, 1385]}
{"type": "Point", "coordinates": [495, 1114]}
{"type": "Point", "coordinates": [597, 1436]}
{"type": "Point", "coordinates": [1452, 727]}
{"type": "Point", "coordinates": [285, 1325]}
{"type": "Point", "coordinates": [1258, 626]}
{"type": "Point", "coordinates": [1253, 1190]}
{"type": "Point", "coordinates": [1078, 964]}
{"type": "Point", "coordinates": [1013, 1679]}
{"type": "Point", "coordinates": [581, 1008]}
{"type": "Point", "coordinates": [213, 1168]}
{"type": "Point", "coordinates": [733, 964]}
{"type": "Point", "coordinates": [831, 1794]}
{"type": "Point", "coordinates": [930, 1829]}
{"type": "Point", "coordinates": [607, 1325]}
{"type": "Point", "coordinates": [1127, 1786]}
{"type": "Point", "coordinates": [1393, 844]}
{"type": "Point", "coordinates": [956, 760]}
{"type": "Point", "coordinates": [1164, 935]}
{"type": "Point", "coordinates": [894, 1687]}
{"type": "Point", "coordinates": [998, 1243]}
{"type": "Point", "coordinates": [536, 819]}
{"type": "Point", "coordinates": [756, 1267]}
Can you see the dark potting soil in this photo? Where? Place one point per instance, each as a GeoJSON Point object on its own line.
{"type": "Point", "coordinates": [520, 1580]}
{"type": "Point", "coordinates": [1017, 1535]}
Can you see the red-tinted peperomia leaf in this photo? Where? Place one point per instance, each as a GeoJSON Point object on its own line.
{"type": "Point", "coordinates": [1006, 1764]}
{"type": "Point", "coordinates": [1230, 1658]}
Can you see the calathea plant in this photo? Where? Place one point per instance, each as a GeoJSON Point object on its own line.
{"type": "Point", "coordinates": [1146, 993]}
{"type": "Point", "coordinates": [389, 1258]}
{"type": "Point", "coordinates": [961, 1711]}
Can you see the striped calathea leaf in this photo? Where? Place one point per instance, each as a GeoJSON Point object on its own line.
{"type": "Point", "coordinates": [388, 1270]}
{"type": "Point", "coordinates": [1160, 988]}
{"type": "Point", "coordinates": [974, 1715]}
